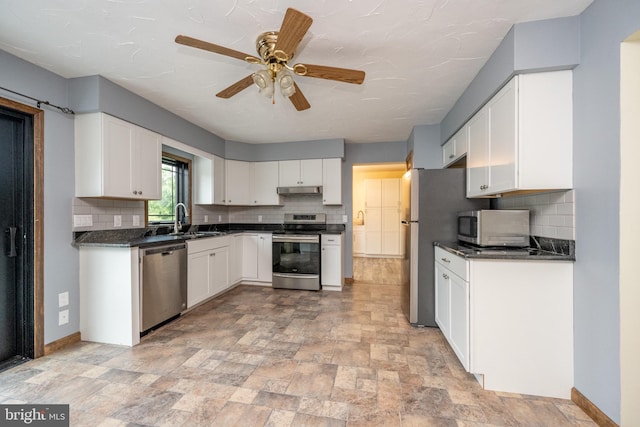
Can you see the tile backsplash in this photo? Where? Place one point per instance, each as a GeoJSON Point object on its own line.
{"type": "Point", "coordinates": [290, 204]}
{"type": "Point", "coordinates": [103, 212]}
{"type": "Point", "coordinates": [552, 214]}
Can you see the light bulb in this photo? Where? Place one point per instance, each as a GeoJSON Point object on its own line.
{"type": "Point", "coordinates": [286, 83]}
{"type": "Point", "coordinates": [263, 80]}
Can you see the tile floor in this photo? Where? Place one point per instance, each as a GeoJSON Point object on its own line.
{"type": "Point", "coordinates": [263, 357]}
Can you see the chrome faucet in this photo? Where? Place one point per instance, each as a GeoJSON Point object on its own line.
{"type": "Point", "coordinates": [177, 225]}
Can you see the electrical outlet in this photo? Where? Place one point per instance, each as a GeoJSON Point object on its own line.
{"type": "Point", "coordinates": [345, 219]}
{"type": "Point", "coordinates": [82, 220]}
{"type": "Point", "coordinates": [136, 220]}
{"type": "Point", "coordinates": [117, 220]}
{"type": "Point", "coordinates": [63, 299]}
{"type": "Point", "coordinates": [259, 218]}
{"type": "Point", "coordinates": [219, 218]}
{"type": "Point", "coordinates": [206, 219]}
{"type": "Point", "coordinates": [63, 317]}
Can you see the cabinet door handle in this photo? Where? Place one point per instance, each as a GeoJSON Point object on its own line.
{"type": "Point", "coordinates": [445, 276]}
{"type": "Point", "coordinates": [445, 260]}
{"type": "Point", "coordinates": [451, 156]}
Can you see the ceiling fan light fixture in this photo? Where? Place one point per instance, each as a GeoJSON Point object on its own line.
{"type": "Point", "coordinates": [263, 80]}
{"type": "Point", "coordinates": [286, 83]}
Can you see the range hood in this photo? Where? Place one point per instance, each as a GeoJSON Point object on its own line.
{"type": "Point", "coordinates": [316, 189]}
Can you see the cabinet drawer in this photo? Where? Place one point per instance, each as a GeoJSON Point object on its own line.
{"type": "Point", "coordinates": [207, 244]}
{"type": "Point", "coordinates": [330, 239]}
{"type": "Point", "coordinates": [456, 264]}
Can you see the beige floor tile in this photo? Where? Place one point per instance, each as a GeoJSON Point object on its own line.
{"type": "Point", "coordinates": [256, 356]}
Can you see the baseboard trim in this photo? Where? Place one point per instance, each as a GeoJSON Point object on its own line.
{"type": "Point", "coordinates": [54, 346]}
{"type": "Point", "coordinates": [348, 280]}
{"type": "Point", "coordinates": [591, 410]}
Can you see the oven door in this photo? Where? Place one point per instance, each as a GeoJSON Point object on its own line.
{"type": "Point", "coordinates": [296, 261]}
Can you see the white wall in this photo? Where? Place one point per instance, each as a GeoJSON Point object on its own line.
{"type": "Point", "coordinates": [629, 231]}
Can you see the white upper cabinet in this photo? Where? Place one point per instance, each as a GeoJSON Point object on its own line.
{"type": "Point", "coordinates": [295, 173]}
{"type": "Point", "coordinates": [239, 182]}
{"type": "Point", "coordinates": [114, 158]}
{"type": "Point", "coordinates": [251, 183]}
{"type": "Point", "coordinates": [332, 181]}
{"type": "Point", "coordinates": [209, 186]}
{"type": "Point", "coordinates": [455, 147]}
{"type": "Point", "coordinates": [522, 139]}
{"type": "Point", "coordinates": [265, 183]}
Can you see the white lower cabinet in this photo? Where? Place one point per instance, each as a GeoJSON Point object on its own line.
{"type": "Point", "coordinates": [358, 239]}
{"type": "Point", "coordinates": [207, 268]}
{"type": "Point", "coordinates": [452, 302]}
{"type": "Point", "coordinates": [235, 259]}
{"type": "Point", "coordinates": [110, 295]}
{"type": "Point", "coordinates": [510, 322]}
{"type": "Point", "coordinates": [331, 267]}
{"type": "Point", "coordinates": [256, 257]}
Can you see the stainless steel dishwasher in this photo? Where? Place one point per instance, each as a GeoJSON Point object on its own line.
{"type": "Point", "coordinates": [163, 294]}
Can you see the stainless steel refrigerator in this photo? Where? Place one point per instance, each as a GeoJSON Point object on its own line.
{"type": "Point", "coordinates": [430, 203]}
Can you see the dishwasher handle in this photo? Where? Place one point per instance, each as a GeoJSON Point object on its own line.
{"type": "Point", "coordinates": [165, 250]}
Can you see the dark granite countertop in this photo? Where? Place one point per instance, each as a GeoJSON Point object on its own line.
{"type": "Point", "coordinates": [540, 249]}
{"type": "Point", "coordinates": [153, 236]}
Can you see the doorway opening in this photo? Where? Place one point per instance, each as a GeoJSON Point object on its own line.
{"type": "Point", "coordinates": [21, 225]}
{"type": "Point", "coordinates": [378, 238]}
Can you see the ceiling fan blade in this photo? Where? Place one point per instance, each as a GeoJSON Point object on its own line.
{"type": "Point", "coordinates": [298, 100]}
{"type": "Point", "coordinates": [330, 73]}
{"type": "Point", "coordinates": [294, 26]}
{"type": "Point", "coordinates": [199, 44]}
{"type": "Point", "coordinates": [236, 87]}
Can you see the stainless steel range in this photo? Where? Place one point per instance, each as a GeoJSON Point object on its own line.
{"type": "Point", "coordinates": [296, 252]}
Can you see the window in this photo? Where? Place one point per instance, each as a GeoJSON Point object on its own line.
{"type": "Point", "coordinates": [175, 189]}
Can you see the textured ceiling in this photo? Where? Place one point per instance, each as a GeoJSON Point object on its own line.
{"type": "Point", "coordinates": [418, 55]}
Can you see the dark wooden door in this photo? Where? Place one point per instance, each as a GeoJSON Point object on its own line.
{"type": "Point", "coordinates": [16, 193]}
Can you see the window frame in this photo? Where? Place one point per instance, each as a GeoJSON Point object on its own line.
{"type": "Point", "coordinates": [189, 164]}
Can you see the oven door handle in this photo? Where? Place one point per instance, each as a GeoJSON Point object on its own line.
{"type": "Point", "coordinates": [294, 239]}
{"type": "Point", "coordinates": [297, 276]}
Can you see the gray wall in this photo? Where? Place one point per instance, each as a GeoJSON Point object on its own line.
{"type": "Point", "coordinates": [604, 25]}
{"type": "Point", "coordinates": [60, 258]}
{"type": "Point", "coordinates": [316, 149]}
{"type": "Point", "coordinates": [95, 93]}
{"type": "Point", "coordinates": [552, 44]}
{"type": "Point", "coordinates": [425, 143]}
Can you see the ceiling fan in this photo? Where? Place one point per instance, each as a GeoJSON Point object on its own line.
{"type": "Point", "coordinates": [275, 50]}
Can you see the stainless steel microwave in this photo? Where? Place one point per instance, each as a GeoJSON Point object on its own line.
{"type": "Point", "coordinates": [494, 227]}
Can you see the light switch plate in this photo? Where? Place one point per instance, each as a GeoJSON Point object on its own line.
{"type": "Point", "coordinates": [259, 218]}
{"type": "Point", "coordinates": [206, 219]}
{"type": "Point", "coordinates": [63, 299]}
{"type": "Point", "coordinates": [136, 220]}
{"type": "Point", "coordinates": [117, 220]}
{"type": "Point", "coordinates": [345, 218]}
